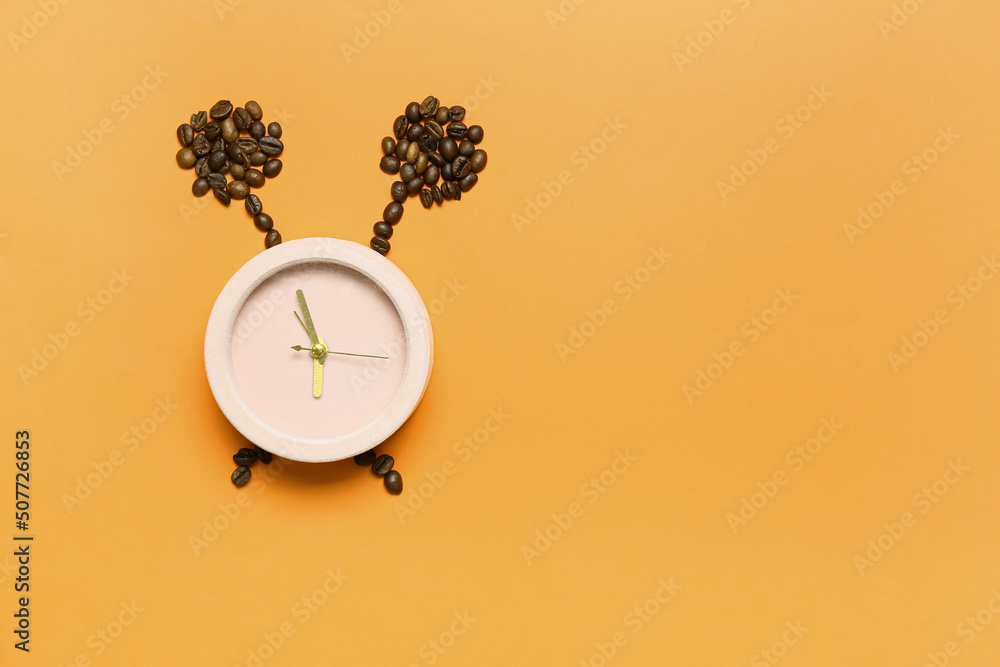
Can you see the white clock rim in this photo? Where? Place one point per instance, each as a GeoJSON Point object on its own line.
{"type": "Point", "coordinates": [393, 283]}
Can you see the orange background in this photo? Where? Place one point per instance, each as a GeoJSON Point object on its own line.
{"type": "Point", "coordinates": [543, 90]}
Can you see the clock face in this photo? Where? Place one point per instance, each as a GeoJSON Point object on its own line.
{"type": "Point", "coordinates": [328, 402]}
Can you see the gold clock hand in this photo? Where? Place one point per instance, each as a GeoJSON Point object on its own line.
{"type": "Point", "coordinates": [299, 348]}
{"type": "Point", "coordinates": [318, 374]}
{"type": "Point", "coordinates": [308, 324]}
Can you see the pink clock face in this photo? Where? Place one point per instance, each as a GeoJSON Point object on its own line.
{"type": "Point", "coordinates": [351, 314]}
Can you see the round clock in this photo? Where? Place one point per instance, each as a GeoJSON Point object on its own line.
{"type": "Point", "coordinates": [318, 349]}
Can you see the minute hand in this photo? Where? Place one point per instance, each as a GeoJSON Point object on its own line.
{"type": "Point", "coordinates": [308, 324]}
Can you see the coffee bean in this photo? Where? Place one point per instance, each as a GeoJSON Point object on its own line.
{"type": "Point", "coordinates": [380, 245]}
{"type": "Point", "coordinates": [252, 204]}
{"type": "Point", "coordinates": [412, 151]}
{"type": "Point", "coordinates": [416, 131]}
{"type": "Point", "coordinates": [201, 167]}
{"type": "Point", "coordinates": [223, 170]}
{"type": "Point", "coordinates": [456, 129]}
{"type": "Point", "coordinates": [200, 146]}
{"type": "Point", "coordinates": [241, 476]}
{"type": "Point", "coordinates": [222, 196]}
{"type": "Point", "coordinates": [460, 167]}
{"type": "Point", "coordinates": [436, 159]}
{"type": "Point", "coordinates": [421, 163]}
{"type": "Point", "coordinates": [200, 187]}
{"type": "Point", "coordinates": [426, 198]}
{"type": "Point", "coordinates": [233, 151]}
{"type": "Point", "coordinates": [393, 212]}
{"type": "Point", "coordinates": [429, 106]}
{"type": "Point", "coordinates": [431, 175]}
{"type": "Point", "coordinates": [257, 129]}
{"type": "Point", "coordinates": [456, 114]}
{"type": "Point", "coordinates": [185, 134]}
{"type": "Point", "coordinates": [245, 457]}
{"type": "Point", "coordinates": [229, 131]}
{"type": "Point", "coordinates": [221, 110]}
{"type": "Point", "coordinates": [212, 131]}
{"type": "Point", "coordinates": [272, 239]}
{"type": "Point", "coordinates": [446, 172]}
{"type": "Point", "coordinates": [466, 183]}
{"type": "Point", "coordinates": [448, 148]}
{"type": "Point", "coordinates": [248, 145]}
{"type": "Point", "coordinates": [434, 129]}
{"type": "Point", "coordinates": [216, 181]}
{"type": "Point", "coordinates": [442, 115]}
{"type": "Point", "coordinates": [389, 164]}
{"type": "Point", "coordinates": [254, 178]}
{"type": "Point", "coordinates": [401, 148]}
{"type": "Point", "coordinates": [258, 158]}
{"type": "Point", "coordinates": [436, 193]}
{"type": "Point", "coordinates": [412, 112]}
{"type": "Point", "coordinates": [456, 191]}
{"type": "Point", "coordinates": [263, 455]}
{"type": "Point", "coordinates": [366, 458]}
{"type": "Point", "coordinates": [393, 482]}
{"type": "Point", "coordinates": [400, 126]}
{"type": "Point", "coordinates": [382, 465]}
{"type": "Point", "coordinates": [272, 168]}
{"type": "Point", "coordinates": [383, 229]}
{"type": "Point", "coordinates": [271, 145]}
{"type": "Point", "coordinates": [254, 110]}
{"type": "Point", "coordinates": [263, 222]}
{"type": "Point", "coordinates": [446, 192]}
{"type": "Point", "coordinates": [475, 134]}
{"type": "Point", "coordinates": [478, 161]}
{"type": "Point", "coordinates": [238, 189]}
{"type": "Point", "coordinates": [186, 158]}
{"type": "Point", "coordinates": [388, 145]}
{"type": "Point", "coordinates": [427, 143]}
{"type": "Point", "coordinates": [407, 172]}
{"type": "Point", "coordinates": [398, 191]}
{"type": "Point", "coordinates": [216, 160]}
{"type": "Point", "coordinates": [242, 119]}
{"type": "Point", "coordinates": [219, 145]}
{"type": "Point", "coordinates": [198, 121]}
{"type": "Point", "coordinates": [415, 185]}
{"type": "Point", "coordinates": [466, 148]}
{"type": "Point", "coordinates": [274, 130]}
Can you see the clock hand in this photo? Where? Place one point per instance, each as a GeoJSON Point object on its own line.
{"type": "Point", "coordinates": [299, 348]}
{"type": "Point", "coordinates": [308, 324]}
{"type": "Point", "coordinates": [318, 374]}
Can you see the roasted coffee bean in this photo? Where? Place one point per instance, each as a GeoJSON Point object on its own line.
{"type": "Point", "coordinates": [478, 160]}
{"type": "Point", "coordinates": [274, 130]}
{"type": "Point", "coordinates": [258, 158]}
{"type": "Point", "coordinates": [412, 151]}
{"type": "Point", "coordinates": [442, 115]}
{"type": "Point", "coordinates": [436, 193]}
{"type": "Point", "coordinates": [200, 187]}
{"type": "Point", "coordinates": [389, 164]}
{"type": "Point", "coordinates": [254, 110]}
{"type": "Point", "coordinates": [257, 129]}
{"type": "Point", "coordinates": [271, 145]}
{"type": "Point", "coordinates": [421, 163]}
{"type": "Point", "coordinates": [248, 145]}
{"type": "Point", "coordinates": [272, 239]}
{"type": "Point", "coordinates": [263, 222]}
{"type": "Point", "coordinates": [431, 175]}
{"type": "Point", "coordinates": [224, 170]}
{"type": "Point", "coordinates": [212, 130]}
{"type": "Point", "coordinates": [448, 148]}
{"type": "Point", "coordinates": [233, 151]}
{"type": "Point", "coordinates": [185, 134]}
{"type": "Point", "coordinates": [456, 114]}
{"type": "Point", "coordinates": [398, 191]}
{"type": "Point", "coordinates": [426, 198]}
{"type": "Point", "coordinates": [221, 110]}
{"type": "Point", "coordinates": [427, 143]}
{"type": "Point", "coordinates": [475, 134]}
{"type": "Point", "coordinates": [446, 190]}
{"type": "Point", "coordinates": [437, 160]}
{"type": "Point", "coordinates": [383, 229]}
{"type": "Point", "coordinates": [245, 457]}
{"type": "Point", "coordinates": [415, 132]}
{"type": "Point", "coordinates": [242, 119]}
{"type": "Point", "coordinates": [216, 181]}
{"type": "Point", "coordinates": [412, 112]}
{"type": "Point", "coordinates": [366, 458]}
{"type": "Point", "coordinates": [446, 172]}
{"type": "Point", "coordinates": [456, 129]}
{"type": "Point", "coordinates": [252, 204]}
{"type": "Point", "coordinates": [434, 129]}
{"type": "Point", "coordinates": [382, 465]}
{"type": "Point", "coordinates": [401, 148]}
{"type": "Point", "coordinates": [216, 160]}
{"type": "Point", "coordinates": [222, 196]}
{"type": "Point", "coordinates": [238, 189]}
{"type": "Point", "coordinates": [238, 172]}
{"type": "Point", "coordinates": [254, 178]}
{"type": "Point", "coordinates": [271, 168]}
{"type": "Point", "coordinates": [393, 212]}
{"type": "Point", "coordinates": [400, 126]}
{"type": "Point", "coordinates": [380, 245]}
{"type": "Point", "coordinates": [388, 146]}
{"type": "Point", "coordinates": [393, 482]}
{"type": "Point", "coordinates": [263, 455]}
{"type": "Point", "coordinates": [466, 183]}
{"type": "Point", "coordinates": [407, 172]}
{"type": "Point", "coordinates": [429, 106]}
{"type": "Point", "coordinates": [200, 146]}
{"type": "Point", "coordinates": [219, 145]}
{"type": "Point", "coordinates": [460, 167]}
{"type": "Point", "coordinates": [466, 148]}
{"type": "Point", "coordinates": [186, 158]}
{"type": "Point", "coordinates": [201, 167]}
{"type": "Point", "coordinates": [415, 185]}
{"type": "Point", "coordinates": [198, 121]}
{"type": "Point", "coordinates": [241, 476]}
{"type": "Point", "coordinates": [229, 131]}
